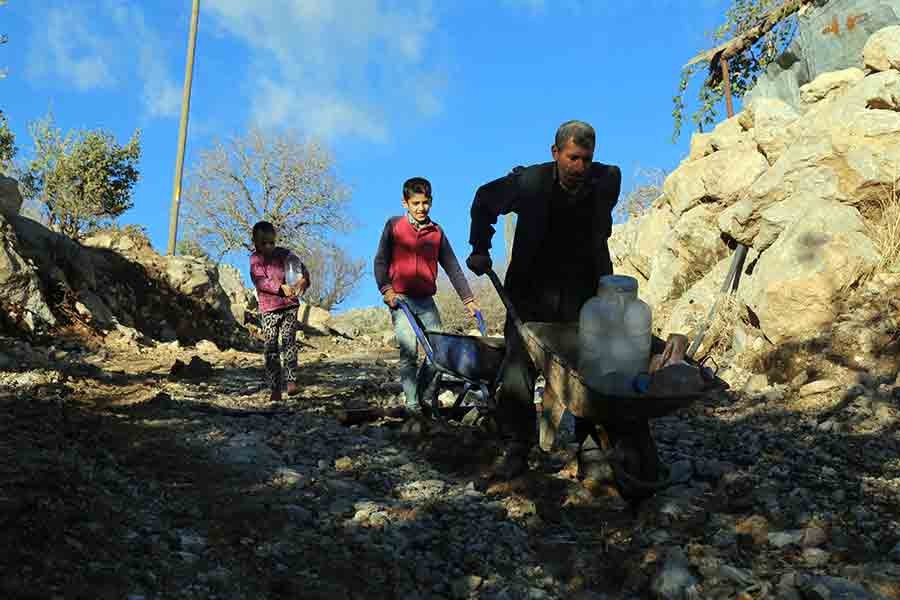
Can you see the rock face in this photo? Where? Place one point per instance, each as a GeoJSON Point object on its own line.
{"type": "Point", "coordinates": [882, 51]}
{"type": "Point", "coordinates": [113, 283]}
{"type": "Point", "coordinates": [313, 318]}
{"type": "Point", "coordinates": [21, 298]}
{"type": "Point", "coordinates": [830, 37]}
{"type": "Point", "coordinates": [800, 185]}
{"type": "Point", "coordinates": [241, 300]}
{"type": "Point", "coordinates": [10, 197]}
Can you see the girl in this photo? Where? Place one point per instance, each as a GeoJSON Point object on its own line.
{"type": "Point", "coordinates": [278, 304]}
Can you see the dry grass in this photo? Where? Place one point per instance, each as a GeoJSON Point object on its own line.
{"type": "Point", "coordinates": [455, 317]}
{"type": "Point", "coordinates": [881, 215]}
{"type": "Point", "coordinates": [647, 188]}
{"type": "Point", "coordinates": [720, 333]}
{"type": "Point", "coordinates": [884, 228]}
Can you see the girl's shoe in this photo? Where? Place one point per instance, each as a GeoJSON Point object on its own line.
{"type": "Point", "coordinates": [292, 389]}
{"type": "Point", "coordinates": [275, 397]}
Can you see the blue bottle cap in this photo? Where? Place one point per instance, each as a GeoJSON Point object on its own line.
{"type": "Point", "coordinates": [641, 383]}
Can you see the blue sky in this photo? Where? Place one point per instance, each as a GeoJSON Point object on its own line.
{"type": "Point", "coordinates": [459, 92]}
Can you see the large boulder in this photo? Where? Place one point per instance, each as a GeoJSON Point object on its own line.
{"type": "Point", "coordinates": [829, 85]}
{"type": "Point", "coordinates": [240, 299]}
{"type": "Point", "coordinates": [729, 134]}
{"type": "Point", "coordinates": [188, 274]}
{"type": "Point", "coordinates": [197, 278]}
{"type": "Point", "coordinates": [313, 318]}
{"type": "Point", "coordinates": [794, 284]}
{"type": "Point", "coordinates": [830, 37]}
{"type": "Point", "coordinates": [634, 243]}
{"type": "Point", "coordinates": [769, 118]}
{"type": "Point", "coordinates": [10, 197]}
{"type": "Point", "coordinates": [128, 241]}
{"type": "Point", "coordinates": [720, 177]}
{"type": "Point", "coordinates": [882, 50]}
{"type": "Point", "coordinates": [21, 296]}
{"type": "Point", "coordinates": [687, 251]}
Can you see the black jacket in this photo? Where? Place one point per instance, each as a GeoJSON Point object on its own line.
{"type": "Point", "coordinates": [528, 191]}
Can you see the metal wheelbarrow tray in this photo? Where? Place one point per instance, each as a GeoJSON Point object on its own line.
{"type": "Point", "coordinates": [477, 361]}
{"type": "Point", "coordinates": [466, 356]}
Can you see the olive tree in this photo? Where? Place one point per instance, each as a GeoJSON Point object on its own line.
{"type": "Point", "coordinates": [81, 180]}
{"type": "Point", "coordinates": [757, 31]}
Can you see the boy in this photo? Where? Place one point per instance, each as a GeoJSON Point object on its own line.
{"type": "Point", "coordinates": [409, 252]}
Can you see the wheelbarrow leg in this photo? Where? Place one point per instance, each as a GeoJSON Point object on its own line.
{"type": "Point", "coordinates": [636, 460]}
{"type": "Point", "coordinates": [551, 413]}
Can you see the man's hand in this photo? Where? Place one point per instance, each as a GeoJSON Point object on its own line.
{"type": "Point", "coordinates": [390, 298]}
{"type": "Point", "coordinates": [479, 263]}
{"type": "Point", "coordinates": [302, 285]}
{"type": "Point", "coordinates": [472, 307]}
{"type": "Point", "coordinates": [287, 290]}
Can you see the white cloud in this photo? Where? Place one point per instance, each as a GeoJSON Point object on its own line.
{"type": "Point", "coordinates": [335, 67]}
{"type": "Point", "coordinates": [161, 95]}
{"type": "Point", "coordinates": [69, 51]}
{"type": "Point", "coordinates": [119, 45]}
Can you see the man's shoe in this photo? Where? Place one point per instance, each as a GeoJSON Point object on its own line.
{"type": "Point", "coordinates": [292, 389]}
{"type": "Point", "coordinates": [513, 462]}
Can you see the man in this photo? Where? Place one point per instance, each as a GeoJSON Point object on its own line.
{"type": "Point", "coordinates": [560, 252]}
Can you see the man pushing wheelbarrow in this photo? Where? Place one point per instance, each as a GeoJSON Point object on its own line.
{"type": "Point", "coordinates": [559, 254]}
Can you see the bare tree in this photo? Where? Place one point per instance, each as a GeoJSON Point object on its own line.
{"type": "Point", "coordinates": [333, 274]}
{"type": "Point", "coordinates": [647, 188]}
{"type": "Point", "coordinates": [264, 176]}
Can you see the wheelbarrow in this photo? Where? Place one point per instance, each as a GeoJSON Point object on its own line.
{"type": "Point", "coordinates": [475, 360]}
{"type": "Point", "coordinates": [621, 422]}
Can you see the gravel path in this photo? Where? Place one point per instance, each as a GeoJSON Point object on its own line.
{"type": "Point", "coordinates": [120, 481]}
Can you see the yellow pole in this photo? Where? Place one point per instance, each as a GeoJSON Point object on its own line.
{"type": "Point", "coordinates": [182, 130]}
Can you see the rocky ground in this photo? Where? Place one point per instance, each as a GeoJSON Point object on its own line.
{"type": "Point", "coordinates": [121, 480]}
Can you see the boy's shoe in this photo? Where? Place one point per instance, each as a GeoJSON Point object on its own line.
{"type": "Point", "coordinates": [593, 462]}
{"type": "Point", "coordinates": [275, 397]}
{"type": "Point", "coordinates": [292, 389]}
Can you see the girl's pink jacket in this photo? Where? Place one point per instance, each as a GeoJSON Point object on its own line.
{"type": "Point", "coordinates": [268, 277]}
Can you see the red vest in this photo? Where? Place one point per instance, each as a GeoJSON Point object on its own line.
{"type": "Point", "coordinates": [414, 258]}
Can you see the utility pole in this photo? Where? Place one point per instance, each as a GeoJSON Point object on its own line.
{"type": "Point", "coordinates": [182, 130]}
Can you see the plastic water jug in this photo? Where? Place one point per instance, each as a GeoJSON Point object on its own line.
{"type": "Point", "coordinates": [293, 269]}
{"type": "Point", "coordinates": [614, 332]}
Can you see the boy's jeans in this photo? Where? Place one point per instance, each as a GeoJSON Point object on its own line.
{"type": "Point", "coordinates": [428, 314]}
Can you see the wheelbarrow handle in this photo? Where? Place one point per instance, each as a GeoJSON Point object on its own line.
{"type": "Point", "coordinates": [417, 329]}
{"type": "Point", "coordinates": [482, 324]}
{"type": "Point", "coordinates": [510, 309]}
